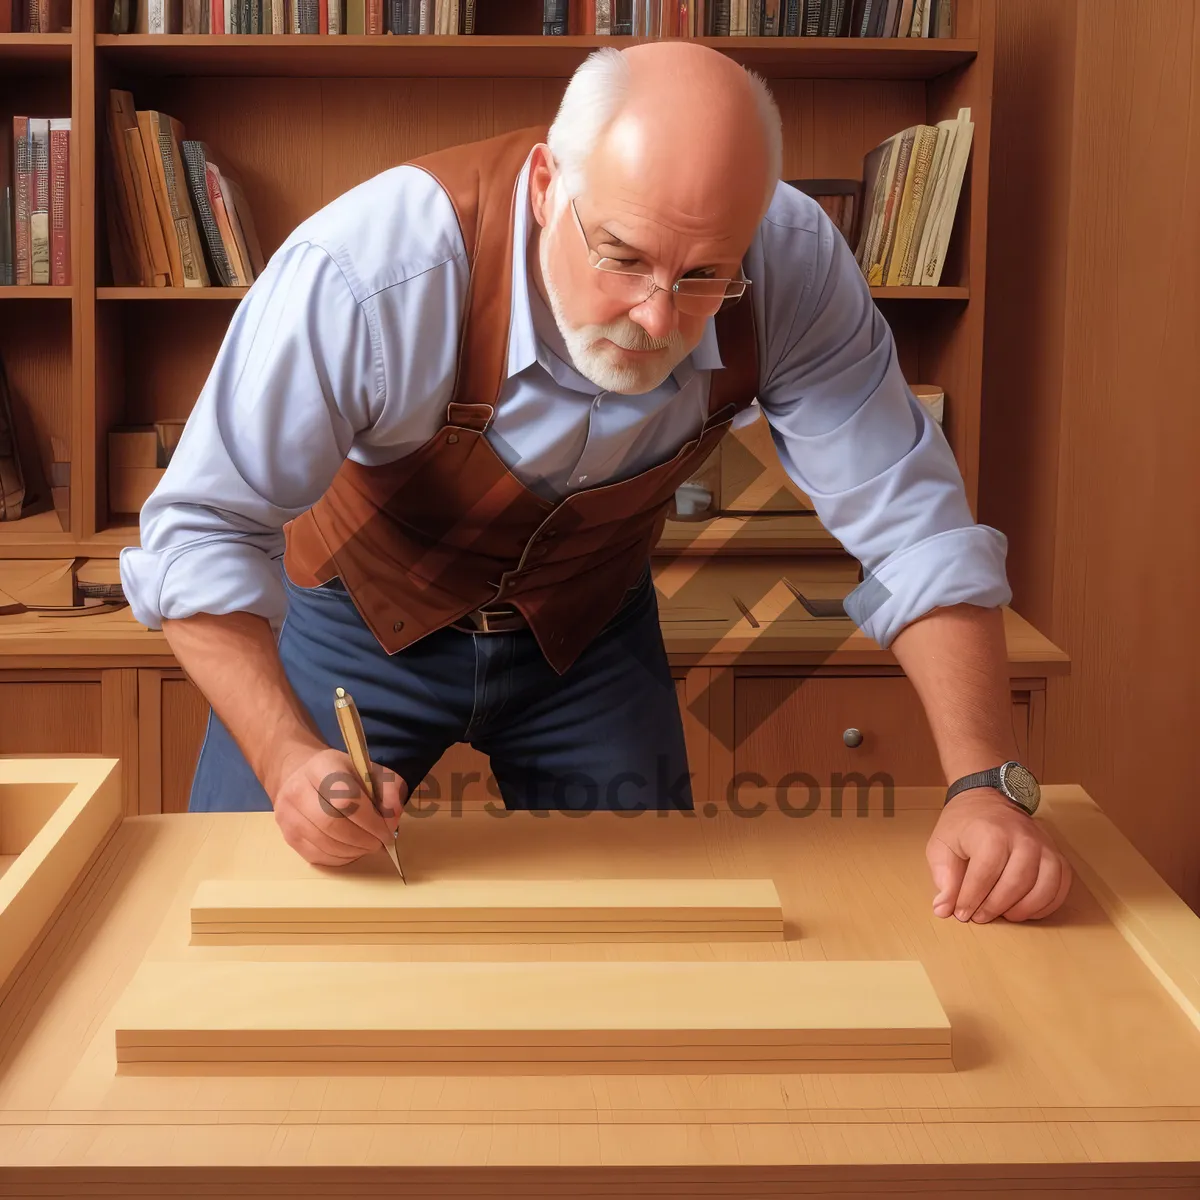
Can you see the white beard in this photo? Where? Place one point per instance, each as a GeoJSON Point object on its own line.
{"type": "Point", "coordinates": [603, 364]}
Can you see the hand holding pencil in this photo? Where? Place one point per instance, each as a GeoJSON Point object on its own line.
{"type": "Point", "coordinates": [336, 806]}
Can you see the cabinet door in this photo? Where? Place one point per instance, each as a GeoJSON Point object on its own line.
{"type": "Point", "coordinates": [172, 716]}
{"type": "Point", "coordinates": [828, 726]}
{"type": "Point", "coordinates": [52, 717]}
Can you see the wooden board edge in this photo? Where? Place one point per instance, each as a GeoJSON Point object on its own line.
{"type": "Point", "coordinates": [49, 869]}
{"type": "Point", "coordinates": [1156, 922]}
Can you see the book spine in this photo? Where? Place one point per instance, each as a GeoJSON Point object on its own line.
{"type": "Point", "coordinates": [469, 17]}
{"type": "Point", "coordinates": [603, 18]}
{"type": "Point", "coordinates": [39, 212]}
{"type": "Point", "coordinates": [7, 275]}
{"type": "Point", "coordinates": [323, 16]}
{"type": "Point", "coordinates": [554, 18]}
{"type": "Point", "coordinates": [23, 163]}
{"type": "Point", "coordinates": [60, 201]}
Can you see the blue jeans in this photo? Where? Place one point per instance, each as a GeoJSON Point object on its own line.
{"type": "Point", "coordinates": [607, 734]}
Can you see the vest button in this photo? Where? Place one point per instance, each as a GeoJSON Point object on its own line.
{"type": "Point", "coordinates": [399, 625]}
{"type": "Point", "coordinates": [452, 438]}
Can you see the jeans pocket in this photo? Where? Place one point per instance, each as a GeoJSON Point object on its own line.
{"type": "Point", "coordinates": [331, 589]}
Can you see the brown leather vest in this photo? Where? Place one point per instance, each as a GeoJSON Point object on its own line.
{"type": "Point", "coordinates": [421, 541]}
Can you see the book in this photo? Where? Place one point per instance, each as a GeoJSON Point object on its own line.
{"type": "Point", "coordinates": [60, 201]}
{"type": "Point", "coordinates": [941, 223]}
{"type": "Point", "coordinates": [39, 209]}
{"type": "Point", "coordinates": [195, 158]}
{"type": "Point", "coordinates": [924, 143]}
{"type": "Point", "coordinates": [130, 251]}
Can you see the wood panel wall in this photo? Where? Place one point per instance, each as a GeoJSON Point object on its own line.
{"type": "Point", "coordinates": [1091, 412]}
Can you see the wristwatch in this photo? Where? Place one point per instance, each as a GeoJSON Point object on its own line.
{"type": "Point", "coordinates": [1010, 779]}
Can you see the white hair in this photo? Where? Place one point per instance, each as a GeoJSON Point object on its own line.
{"type": "Point", "coordinates": [596, 94]}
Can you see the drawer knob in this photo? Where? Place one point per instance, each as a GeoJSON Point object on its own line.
{"type": "Point", "coordinates": [852, 737]}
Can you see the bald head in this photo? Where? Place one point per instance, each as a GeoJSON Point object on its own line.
{"type": "Point", "coordinates": [670, 113]}
{"type": "Point", "coordinates": [659, 167]}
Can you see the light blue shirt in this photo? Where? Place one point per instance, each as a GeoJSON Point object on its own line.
{"type": "Point", "coordinates": [346, 346]}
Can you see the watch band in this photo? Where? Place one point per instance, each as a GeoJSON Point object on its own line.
{"type": "Point", "coordinates": [989, 778]}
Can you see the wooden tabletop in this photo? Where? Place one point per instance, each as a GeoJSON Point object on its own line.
{"type": "Point", "coordinates": [1075, 1040]}
{"type": "Point", "coordinates": [714, 612]}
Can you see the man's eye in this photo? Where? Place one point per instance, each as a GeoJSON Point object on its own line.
{"type": "Point", "coordinates": [702, 273]}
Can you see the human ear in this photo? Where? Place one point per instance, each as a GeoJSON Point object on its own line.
{"type": "Point", "coordinates": [541, 175]}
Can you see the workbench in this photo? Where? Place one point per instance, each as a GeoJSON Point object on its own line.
{"type": "Point", "coordinates": [1075, 1039]}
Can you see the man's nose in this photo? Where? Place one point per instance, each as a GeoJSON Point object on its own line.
{"type": "Point", "coordinates": [658, 315]}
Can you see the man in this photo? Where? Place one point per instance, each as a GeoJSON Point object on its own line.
{"type": "Point", "coordinates": [468, 388]}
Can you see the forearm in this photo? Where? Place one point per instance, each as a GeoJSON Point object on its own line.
{"type": "Point", "coordinates": [957, 660]}
{"type": "Point", "coordinates": [234, 661]}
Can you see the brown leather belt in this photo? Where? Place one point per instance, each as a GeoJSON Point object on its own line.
{"type": "Point", "coordinates": [491, 620]}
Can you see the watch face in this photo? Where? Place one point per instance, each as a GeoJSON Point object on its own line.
{"type": "Point", "coordinates": [1021, 783]}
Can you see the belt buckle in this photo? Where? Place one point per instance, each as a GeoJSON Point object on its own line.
{"type": "Point", "coordinates": [483, 620]}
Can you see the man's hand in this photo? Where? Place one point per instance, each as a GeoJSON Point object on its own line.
{"type": "Point", "coordinates": [989, 859]}
{"type": "Point", "coordinates": [323, 813]}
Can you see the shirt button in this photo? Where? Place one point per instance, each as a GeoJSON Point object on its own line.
{"type": "Point", "coordinates": [399, 625]}
{"type": "Point", "coordinates": [452, 438]}
{"type": "Point", "coordinates": [581, 478]}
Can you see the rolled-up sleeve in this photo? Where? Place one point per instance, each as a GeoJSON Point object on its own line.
{"type": "Point", "coordinates": [877, 467]}
{"type": "Point", "coordinates": [293, 382]}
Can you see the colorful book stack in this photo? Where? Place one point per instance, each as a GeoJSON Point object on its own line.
{"type": "Point", "coordinates": [176, 214]}
{"type": "Point", "coordinates": [911, 186]}
{"type": "Point", "coordinates": [35, 207]}
{"type": "Point", "coordinates": [356, 17]}
{"type": "Point", "coordinates": [750, 18]}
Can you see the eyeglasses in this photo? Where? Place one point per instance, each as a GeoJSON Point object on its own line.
{"type": "Point", "coordinates": [698, 296]}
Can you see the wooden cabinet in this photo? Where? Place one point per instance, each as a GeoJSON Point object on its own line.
{"type": "Point", "coordinates": [40, 714]}
{"type": "Point", "coordinates": [738, 724]}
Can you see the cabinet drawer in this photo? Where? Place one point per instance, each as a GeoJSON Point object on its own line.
{"type": "Point", "coordinates": [800, 724]}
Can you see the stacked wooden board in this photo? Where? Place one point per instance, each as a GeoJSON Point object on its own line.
{"type": "Point", "coordinates": [371, 910]}
{"type": "Point", "coordinates": [530, 1017]}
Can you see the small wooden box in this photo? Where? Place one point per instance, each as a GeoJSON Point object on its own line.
{"type": "Point", "coordinates": [128, 489]}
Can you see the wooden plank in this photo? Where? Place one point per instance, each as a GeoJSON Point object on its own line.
{"type": "Point", "coordinates": [515, 910]}
{"type": "Point", "coordinates": [57, 814]}
{"type": "Point", "coordinates": [420, 1016]}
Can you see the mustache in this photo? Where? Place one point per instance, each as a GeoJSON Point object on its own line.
{"type": "Point", "coordinates": [629, 336]}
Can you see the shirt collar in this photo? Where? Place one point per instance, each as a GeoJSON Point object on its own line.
{"type": "Point", "coordinates": [523, 342]}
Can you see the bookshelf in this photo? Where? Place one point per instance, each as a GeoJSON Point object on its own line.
{"type": "Point", "coordinates": [304, 118]}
